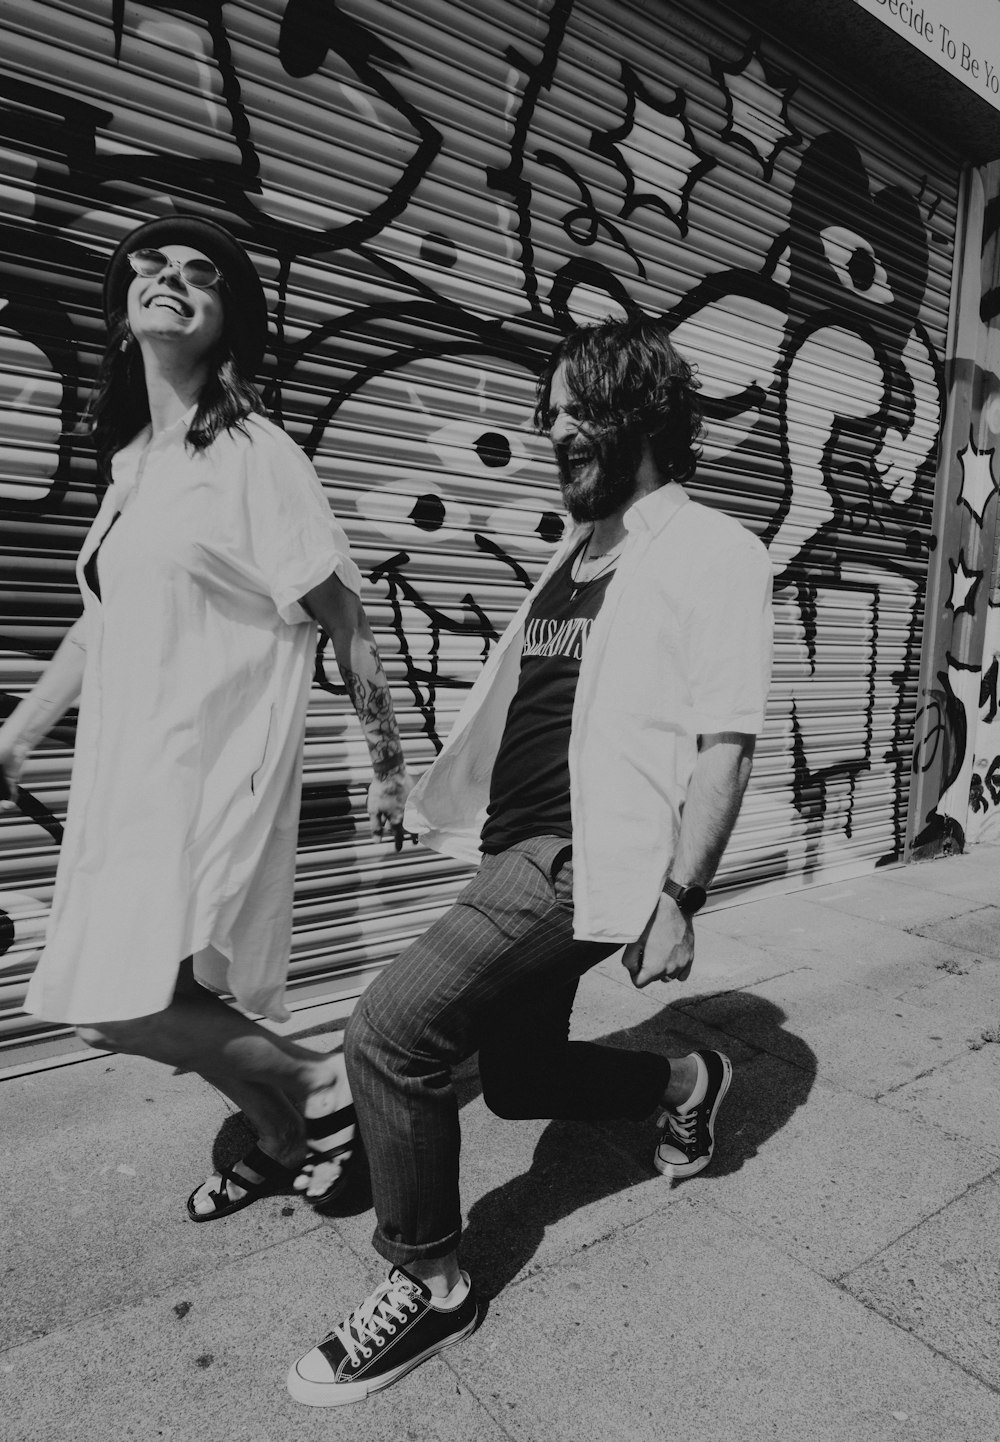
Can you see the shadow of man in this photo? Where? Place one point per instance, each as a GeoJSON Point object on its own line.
{"type": "Point", "coordinates": [576, 1164]}
{"type": "Point", "coordinates": [579, 1163]}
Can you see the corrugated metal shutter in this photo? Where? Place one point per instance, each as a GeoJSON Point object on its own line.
{"type": "Point", "coordinates": [433, 191]}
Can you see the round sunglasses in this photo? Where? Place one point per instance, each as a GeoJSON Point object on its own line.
{"type": "Point", "coordinates": [202, 274]}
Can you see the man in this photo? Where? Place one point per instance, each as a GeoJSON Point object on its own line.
{"type": "Point", "coordinates": [599, 765]}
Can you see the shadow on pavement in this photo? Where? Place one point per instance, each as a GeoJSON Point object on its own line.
{"type": "Point", "coordinates": [578, 1163]}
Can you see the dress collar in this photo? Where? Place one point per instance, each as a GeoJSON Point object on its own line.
{"type": "Point", "coordinates": [125, 463]}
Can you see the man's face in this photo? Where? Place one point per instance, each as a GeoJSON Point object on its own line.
{"type": "Point", "coordinates": [597, 473]}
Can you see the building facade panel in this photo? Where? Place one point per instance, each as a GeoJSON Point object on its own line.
{"type": "Point", "coordinates": [434, 193]}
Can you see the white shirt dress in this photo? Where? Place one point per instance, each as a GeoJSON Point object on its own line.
{"type": "Point", "coordinates": [183, 812]}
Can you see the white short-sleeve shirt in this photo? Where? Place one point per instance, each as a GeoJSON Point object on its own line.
{"type": "Point", "coordinates": [183, 813]}
{"type": "Point", "coordinates": [681, 648]}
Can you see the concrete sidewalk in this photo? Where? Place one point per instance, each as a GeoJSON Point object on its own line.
{"type": "Point", "coordinates": [834, 1275]}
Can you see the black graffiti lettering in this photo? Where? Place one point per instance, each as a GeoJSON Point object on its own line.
{"type": "Point", "coordinates": [993, 780]}
{"type": "Point", "coordinates": [988, 691]}
{"type": "Point", "coordinates": [389, 278]}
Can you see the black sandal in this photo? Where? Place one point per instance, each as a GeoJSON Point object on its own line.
{"type": "Point", "coordinates": [274, 1177]}
{"type": "Point", "coordinates": [330, 1138]}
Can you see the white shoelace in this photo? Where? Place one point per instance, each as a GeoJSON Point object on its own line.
{"type": "Point", "coordinates": [682, 1123]}
{"type": "Point", "coordinates": [373, 1319]}
{"type": "Point", "coordinates": [683, 1126]}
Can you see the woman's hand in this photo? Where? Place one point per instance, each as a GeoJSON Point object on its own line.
{"type": "Point", "coordinates": [13, 754]}
{"type": "Point", "coordinates": [386, 802]}
{"type": "Point", "coordinates": [53, 693]}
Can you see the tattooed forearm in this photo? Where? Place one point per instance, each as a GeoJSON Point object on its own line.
{"type": "Point", "coordinates": [341, 615]}
{"type": "Point", "coordinates": [373, 703]}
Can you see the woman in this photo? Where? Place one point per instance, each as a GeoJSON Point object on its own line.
{"type": "Point", "coordinates": [212, 557]}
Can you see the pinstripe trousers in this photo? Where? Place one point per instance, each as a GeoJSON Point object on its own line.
{"type": "Point", "coordinates": [496, 974]}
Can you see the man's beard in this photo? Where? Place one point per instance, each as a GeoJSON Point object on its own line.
{"type": "Point", "coordinates": [613, 461]}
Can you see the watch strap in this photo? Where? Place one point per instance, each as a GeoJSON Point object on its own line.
{"type": "Point", "coordinates": [689, 899]}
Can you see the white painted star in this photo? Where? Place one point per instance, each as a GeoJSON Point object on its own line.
{"type": "Point", "coordinates": [757, 110]}
{"type": "Point", "coordinates": [658, 154]}
{"type": "Point", "coordinates": [757, 99]}
{"type": "Point", "coordinates": [978, 481]}
{"type": "Point", "coordinates": [964, 584]}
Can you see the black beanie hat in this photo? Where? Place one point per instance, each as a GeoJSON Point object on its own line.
{"type": "Point", "coordinates": [246, 308]}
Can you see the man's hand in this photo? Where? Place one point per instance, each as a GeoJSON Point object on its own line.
{"type": "Point", "coordinates": [386, 802]}
{"type": "Point", "coordinates": [665, 950]}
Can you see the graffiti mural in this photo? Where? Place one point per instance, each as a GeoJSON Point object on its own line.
{"type": "Point", "coordinates": [984, 788]}
{"type": "Point", "coordinates": [433, 199]}
{"type": "Point", "coordinates": [955, 733]}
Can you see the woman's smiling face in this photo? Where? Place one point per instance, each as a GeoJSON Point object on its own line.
{"type": "Point", "coordinates": [164, 308]}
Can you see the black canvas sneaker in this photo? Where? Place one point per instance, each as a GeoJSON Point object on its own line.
{"type": "Point", "coordinates": [687, 1139]}
{"type": "Point", "coordinates": [397, 1328]}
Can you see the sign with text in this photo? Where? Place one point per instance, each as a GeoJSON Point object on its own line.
{"type": "Point", "coordinates": [961, 35]}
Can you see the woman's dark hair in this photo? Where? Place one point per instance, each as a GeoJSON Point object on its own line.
{"type": "Point", "coordinates": [625, 376]}
{"type": "Point", "coordinates": [119, 407]}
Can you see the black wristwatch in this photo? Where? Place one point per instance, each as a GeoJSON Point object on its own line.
{"type": "Point", "coordinates": [689, 898]}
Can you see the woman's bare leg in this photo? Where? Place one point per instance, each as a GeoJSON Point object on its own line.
{"type": "Point", "coordinates": [268, 1077]}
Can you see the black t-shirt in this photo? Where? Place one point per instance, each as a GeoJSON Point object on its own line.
{"type": "Point", "coordinates": [529, 792]}
{"type": "Point", "coordinates": [91, 572]}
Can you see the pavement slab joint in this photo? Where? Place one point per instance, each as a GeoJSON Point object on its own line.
{"type": "Point", "coordinates": [892, 1321]}
{"type": "Point", "coordinates": [833, 1271]}
{"type": "Point", "coordinates": [985, 1181]}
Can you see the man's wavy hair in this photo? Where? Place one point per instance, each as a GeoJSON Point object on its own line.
{"type": "Point", "coordinates": [118, 408]}
{"type": "Point", "coordinates": [626, 377]}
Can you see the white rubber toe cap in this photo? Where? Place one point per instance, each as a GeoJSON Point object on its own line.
{"type": "Point", "coordinates": [314, 1367]}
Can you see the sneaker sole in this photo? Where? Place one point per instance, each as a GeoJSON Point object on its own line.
{"type": "Point", "coordinates": [340, 1394]}
{"type": "Point", "coordinates": [680, 1171]}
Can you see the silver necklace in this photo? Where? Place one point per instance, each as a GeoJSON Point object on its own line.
{"type": "Point", "coordinates": [583, 561]}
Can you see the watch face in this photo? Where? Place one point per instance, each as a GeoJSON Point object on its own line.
{"type": "Point", "coordinates": [692, 900]}
{"type": "Point", "coordinates": [688, 898]}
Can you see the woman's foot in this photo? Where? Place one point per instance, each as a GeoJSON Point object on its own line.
{"type": "Point", "coordinates": [332, 1141]}
{"type": "Point", "coordinates": [232, 1188]}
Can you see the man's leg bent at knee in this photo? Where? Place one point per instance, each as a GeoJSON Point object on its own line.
{"type": "Point", "coordinates": [529, 1068]}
